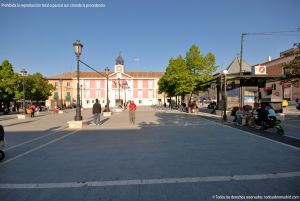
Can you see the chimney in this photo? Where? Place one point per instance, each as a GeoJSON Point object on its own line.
{"type": "Point", "coordinates": [269, 58]}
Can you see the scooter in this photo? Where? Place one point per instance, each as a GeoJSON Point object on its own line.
{"type": "Point", "coordinates": [274, 124]}
{"type": "Point", "coordinates": [2, 143]}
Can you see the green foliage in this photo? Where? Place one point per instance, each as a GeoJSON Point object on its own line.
{"type": "Point", "coordinates": [177, 80]}
{"type": "Point", "coordinates": [183, 75]}
{"type": "Point", "coordinates": [292, 68]}
{"type": "Point", "coordinates": [9, 82]}
{"type": "Point", "coordinates": [37, 87]}
{"type": "Point", "coordinates": [200, 66]}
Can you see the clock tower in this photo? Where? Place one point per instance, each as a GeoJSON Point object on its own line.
{"type": "Point", "coordinates": [119, 67]}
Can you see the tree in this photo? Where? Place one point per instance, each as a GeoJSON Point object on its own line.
{"type": "Point", "coordinates": [183, 75]}
{"type": "Point", "coordinates": [177, 80]}
{"type": "Point", "coordinates": [9, 83]}
{"type": "Point", "coordinates": [38, 88]}
{"type": "Point", "coordinates": [166, 86]}
{"type": "Point", "coordinates": [200, 66]}
{"type": "Point", "coordinates": [292, 68]}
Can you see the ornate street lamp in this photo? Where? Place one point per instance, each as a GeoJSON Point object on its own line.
{"type": "Point", "coordinates": [78, 48]}
{"type": "Point", "coordinates": [107, 99]}
{"type": "Point", "coordinates": [225, 72]}
{"type": "Point", "coordinates": [61, 97]}
{"type": "Point", "coordinates": [125, 88]}
{"type": "Point", "coordinates": [24, 74]}
{"type": "Point", "coordinates": [119, 87]}
{"type": "Point", "coordinates": [81, 95]}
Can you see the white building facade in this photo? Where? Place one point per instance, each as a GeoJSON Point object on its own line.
{"type": "Point", "coordinates": [141, 87]}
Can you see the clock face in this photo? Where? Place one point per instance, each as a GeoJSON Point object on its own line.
{"type": "Point", "coordinates": [261, 69]}
{"type": "Point", "coordinates": [119, 68]}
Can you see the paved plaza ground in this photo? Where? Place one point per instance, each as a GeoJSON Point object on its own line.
{"type": "Point", "coordinates": [166, 155]}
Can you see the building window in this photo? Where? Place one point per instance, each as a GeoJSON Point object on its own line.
{"type": "Point", "coordinates": [129, 94]}
{"type": "Point", "coordinates": [93, 101]}
{"type": "Point", "coordinates": [55, 84]}
{"type": "Point", "coordinates": [68, 96]}
{"type": "Point", "coordinates": [150, 83]}
{"type": "Point", "coordinates": [55, 96]}
{"type": "Point", "coordinates": [87, 93]}
{"type": "Point", "coordinates": [140, 93]}
{"type": "Point", "coordinates": [87, 101]}
{"type": "Point", "coordinates": [98, 84]}
{"type": "Point", "coordinates": [140, 84]}
{"type": "Point", "coordinates": [68, 85]}
{"type": "Point", "coordinates": [140, 101]}
{"type": "Point", "coordinates": [87, 84]}
{"type": "Point", "coordinates": [150, 93]}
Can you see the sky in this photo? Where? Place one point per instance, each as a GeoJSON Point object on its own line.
{"type": "Point", "coordinates": [147, 33]}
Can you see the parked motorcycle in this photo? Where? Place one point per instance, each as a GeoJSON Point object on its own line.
{"type": "Point", "coordinates": [273, 124]}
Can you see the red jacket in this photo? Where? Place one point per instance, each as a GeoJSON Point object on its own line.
{"type": "Point", "coordinates": [132, 106]}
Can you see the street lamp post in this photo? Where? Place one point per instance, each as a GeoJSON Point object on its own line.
{"type": "Point", "coordinates": [61, 98]}
{"type": "Point", "coordinates": [81, 95]}
{"type": "Point", "coordinates": [241, 70]}
{"type": "Point", "coordinates": [119, 86]}
{"type": "Point", "coordinates": [225, 95]}
{"type": "Point", "coordinates": [107, 99]}
{"type": "Point", "coordinates": [78, 48]}
{"type": "Point", "coordinates": [24, 74]}
{"type": "Point", "coordinates": [125, 88]}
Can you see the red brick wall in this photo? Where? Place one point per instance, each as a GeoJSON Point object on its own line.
{"type": "Point", "coordinates": [275, 70]}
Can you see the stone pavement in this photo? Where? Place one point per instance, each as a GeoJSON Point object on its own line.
{"type": "Point", "coordinates": [45, 121]}
{"type": "Point", "coordinates": [167, 155]}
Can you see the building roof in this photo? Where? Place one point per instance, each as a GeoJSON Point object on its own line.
{"type": "Point", "coordinates": [72, 75]}
{"type": "Point", "coordinates": [145, 74]}
{"type": "Point", "coordinates": [234, 66]}
{"type": "Point", "coordinates": [279, 60]}
{"type": "Point", "coordinates": [119, 60]}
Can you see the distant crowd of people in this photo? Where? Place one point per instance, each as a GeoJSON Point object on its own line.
{"type": "Point", "coordinates": [255, 116]}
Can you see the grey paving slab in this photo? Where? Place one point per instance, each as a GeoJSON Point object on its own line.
{"type": "Point", "coordinates": [162, 145]}
{"type": "Point", "coordinates": [159, 192]}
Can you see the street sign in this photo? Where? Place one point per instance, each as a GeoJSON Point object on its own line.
{"type": "Point", "coordinates": [259, 70]}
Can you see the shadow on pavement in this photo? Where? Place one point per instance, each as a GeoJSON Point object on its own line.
{"type": "Point", "coordinates": [25, 122]}
{"type": "Point", "coordinates": [270, 133]}
{"type": "Point", "coordinates": [172, 119]}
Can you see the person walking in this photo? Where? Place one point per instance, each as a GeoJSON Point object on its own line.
{"type": "Point", "coordinates": [33, 110]}
{"type": "Point", "coordinates": [97, 112]}
{"type": "Point", "coordinates": [132, 109]}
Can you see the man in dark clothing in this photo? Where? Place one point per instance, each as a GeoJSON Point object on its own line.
{"type": "Point", "coordinates": [97, 112]}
